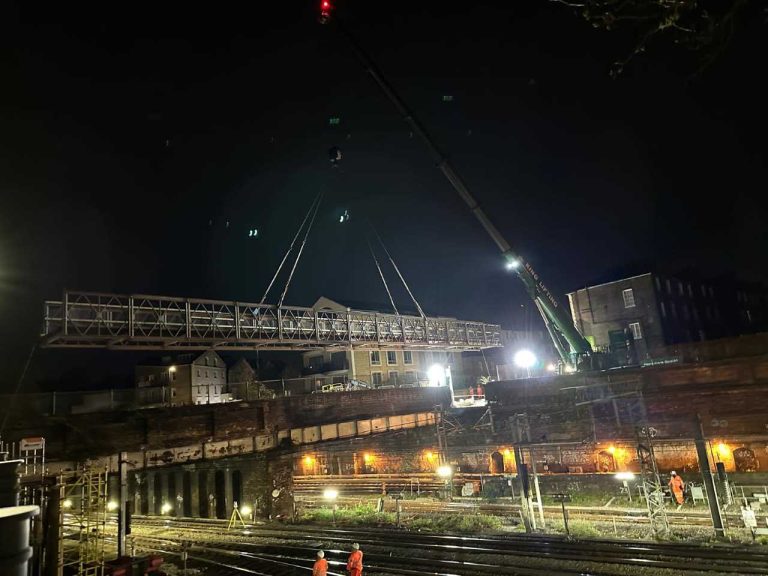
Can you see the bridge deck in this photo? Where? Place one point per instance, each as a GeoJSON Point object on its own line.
{"type": "Point", "coordinates": [140, 322]}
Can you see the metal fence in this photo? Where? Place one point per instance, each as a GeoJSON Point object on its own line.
{"type": "Point", "coordinates": [85, 401]}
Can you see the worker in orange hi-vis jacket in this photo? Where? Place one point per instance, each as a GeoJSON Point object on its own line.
{"type": "Point", "coordinates": [355, 562]}
{"type": "Point", "coordinates": [677, 485]}
{"type": "Point", "coordinates": [320, 567]}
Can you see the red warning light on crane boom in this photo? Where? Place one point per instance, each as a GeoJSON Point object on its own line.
{"type": "Point", "coordinates": [325, 10]}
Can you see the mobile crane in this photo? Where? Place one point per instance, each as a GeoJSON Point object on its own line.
{"type": "Point", "coordinates": [573, 348]}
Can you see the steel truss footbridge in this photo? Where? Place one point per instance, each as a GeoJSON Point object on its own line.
{"type": "Point", "coordinates": [141, 322]}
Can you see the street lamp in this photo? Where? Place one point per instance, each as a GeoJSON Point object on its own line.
{"type": "Point", "coordinates": [436, 375]}
{"type": "Point", "coordinates": [446, 472]}
{"type": "Point", "coordinates": [165, 508]}
{"type": "Point", "coordinates": [525, 359]}
{"type": "Point", "coordinates": [330, 494]}
{"type": "Point", "coordinates": [171, 372]}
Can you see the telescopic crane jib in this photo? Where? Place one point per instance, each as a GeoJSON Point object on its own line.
{"type": "Point", "coordinates": [573, 348]}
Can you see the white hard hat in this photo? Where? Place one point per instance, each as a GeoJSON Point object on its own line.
{"type": "Point", "coordinates": [356, 546]}
{"type": "Point", "coordinates": [320, 554]}
{"type": "Point", "coordinates": [674, 473]}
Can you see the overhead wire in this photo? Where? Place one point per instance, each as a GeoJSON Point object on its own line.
{"type": "Point", "coordinates": [290, 248]}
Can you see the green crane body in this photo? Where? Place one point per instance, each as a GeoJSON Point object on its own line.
{"type": "Point", "coordinates": [571, 345]}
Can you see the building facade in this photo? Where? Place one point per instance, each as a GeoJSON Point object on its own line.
{"type": "Point", "coordinates": [188, 379]}
{"type": "Point", "coordinates": [645, 313]}
{"type": "Point", "coordinates": [374, 368]}
{"type": "Point", "coordinates": [243, 383]}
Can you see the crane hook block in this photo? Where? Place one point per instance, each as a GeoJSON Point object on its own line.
{"type": "Point", "coordinates": [334, 155]}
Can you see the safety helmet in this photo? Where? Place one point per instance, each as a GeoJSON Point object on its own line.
{"type": "Point", "coordinates": [674, 473]}
{"type": "Point", "coordinates": [356, 546]}
{"type": "Point", "coordinates": [320, 554]}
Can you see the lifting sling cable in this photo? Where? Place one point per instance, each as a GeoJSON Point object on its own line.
{"type": "Point", "coordinates": [418, 307]}
{"type": "Point", "coordinates": [301, 249]}
{"type": "Point", "coordinates": [381, 274]}
{"type": "Point", "coordinates": [290, 248]}
{"type": "Point", "coordinates": [487, 370]}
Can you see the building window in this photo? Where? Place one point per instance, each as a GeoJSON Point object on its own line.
{"type": "Point", "coordinates": [669, 286]}
{"type": "Point", "coordinates": [376, 378]}
{"type": "Point", "coordinates": [173, 376]}
{"type": "Point", "coordinates": [711, 292]}
{"type": "Point", "coordinates": [658, 283]}
{"type": "Point", "coordinates": [673, 309]}
{"type": "Point", "coordinates": [703, 291]}
{"type": "Point", "coordinates": [680, 289]}
{"type": "Point", "coordinates": [629, 298]}
{"type": "Point", "coordinates": [376, 359]}
{"type": "Point", "coordinates": [410, 376]}
{"type": "Point", "coordinates": [407, 357]}
{"type": "Point", "coordinates": [173, 392]}
{"type": "Point", "coordinates": [391, 357]}
{"type": "Point", "coordinates": [198, 372]}
{"type": "Point", "coordinates": [393, 378]}
{"type": "Point", "coordinates": [690, 290]}
{"type": "Point", "coordinates": [206, 374]}
{"type": "Point", "coordinates": [663, 310]}
{"type": "Point", "coordinates": [637, 333]}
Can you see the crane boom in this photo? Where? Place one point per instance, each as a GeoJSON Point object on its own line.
{"type": "Point", "coordinates": [568, 341]}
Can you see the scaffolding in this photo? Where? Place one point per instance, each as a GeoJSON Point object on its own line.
{"type": "Point", "coordinates": [83, 515]}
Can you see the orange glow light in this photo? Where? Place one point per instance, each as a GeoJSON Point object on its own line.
{"type": "Point", "coordinates": [723, 449]}
{"type": "Point", "coordinates": [506, 452]}
{"type": "Point", "coordinates": [308, 460]}
{"type": "Point", "coordinates": [367, 458]}
{"type": "Point", "coordinates": [612, 449]}
{"type": "Point", "coordinates": [430, 456]}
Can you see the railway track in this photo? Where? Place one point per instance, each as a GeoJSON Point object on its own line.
{"type": "Point", "coordinates": [283, 548]}
{"type": "Point", "coordinates": [686, 517]}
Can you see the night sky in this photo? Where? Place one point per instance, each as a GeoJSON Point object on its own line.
{"type": "Point", "coordinates": [126, 129]}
